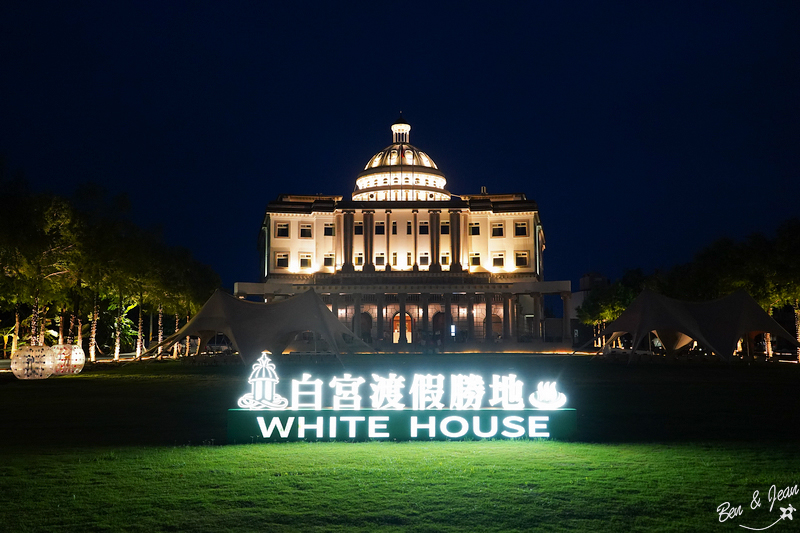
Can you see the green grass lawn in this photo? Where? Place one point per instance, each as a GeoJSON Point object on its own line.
{"type": "Point", "coordinates": [136, 448]}
{"type": "Point", "coordinates": [437, 486]}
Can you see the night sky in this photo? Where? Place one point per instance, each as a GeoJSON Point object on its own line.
{"type": "Point", "coordinates": [643, 131]}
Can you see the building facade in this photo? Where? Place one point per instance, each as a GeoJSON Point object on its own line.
{"type": "Point", "coordinates": [406, 264]}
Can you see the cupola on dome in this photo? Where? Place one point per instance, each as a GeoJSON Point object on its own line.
{"type": "Point", "coordinates": [401, 172]}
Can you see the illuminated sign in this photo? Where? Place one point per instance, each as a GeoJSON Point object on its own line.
{"type": "Point", "coordinates": [396, 407]}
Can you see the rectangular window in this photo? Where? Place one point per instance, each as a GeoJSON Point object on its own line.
{"type": "Point", "coordinates": [305, 260]}
{"type": "Point", "coordinates": [520, 229]}
{"type": "Point", "coordinates": [409, 230]}
{"type": "Point", "coordinates": [282, 260]}
{"type": "Point", "coordinates": [359, 259]}
{"type": "Point", "coordinates": [328, 260]}
{"type": "Point", "coordinates": [359, 228]}
{"type": "Point", "coordinates": [498, 259]}
{"type": "Point", "coordinates": [394, 227]}
{"type": "Point", "coordinates": [380, 259]}
{"type": "Point", "coordinates": [329, 230]}
{"type": "Point", "coordinates": [521, 259]}
{"type": "Point", "coordinates": [474, 259]}
{"type": "Point", "coordinates": [409, 261]}
{"type": "Point", "coordinates": [497, 229]}
{"type": "Point", "coordinates": [474, 228]}
{"type": "Point", "coordinates": [282, 229]}
{"type": "Point", "coordinates": [305, 231]}
{"type": "Point", "coordinates": [423, 259]}
{"type": "Point", "coordinates": [394, 259]}
{"type": "Point", "coordinates": [445, 259]}
{"type": "Point", "coordinates": [445, 228]}
{"type": "Point", "coordinates": [380, 228]}
{"type": "Point", "coordinates": [423, 228]}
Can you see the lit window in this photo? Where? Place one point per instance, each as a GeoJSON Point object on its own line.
{"type": "Point", "coordinates": [409, 231]}
{"type": "Point", "coordinates": [409, 155]}
{"type": "Point", "coordinates": [327, 260]}
{"type": "Point", "coordinates": [359, 259]}
{"type": "Point", "coordinates": [423, 259]}
{"type": "Point", "coordinates": [521, 259]}
{"type": "Point", "coordinates": [329, 230]}
{"type": "Point", "coordinates": [394, 259]}
{"type": "Point", "coordinates": [474, 228]}
{"type": "Point", "coordinates": [380, 259]}
{"type": "Point", "coordinates": [359, 228]}
{"type": "Point", "coordinates": [445, 229]}
{"type": "Point", "coordinates": [408, 259]}
{"type": "Point", "coordinates": [445, 259]}
{"type": "Point", "coordinates": [474, 259]}
{"type": "Point", "coordinates": [423, 228]}
{"type": "Point", "coordinates": [394, 227]}
{"type": "Point", "coordinates": [305, 231]}
{"type": "Point", "coordinates": [282, 260]}
{"type": "Point", "coordinates": [520, 229]}
{"type": "Point", "coordinates": [498, 259]}
{"type": "Point", "coordinates": [305, 260]}
{"type": "Point", "coordinates": [380, 228]}
{"type": "Point", "coordinates": [282, 229]}
{"type": "Point", "coordinates": [497, 229]}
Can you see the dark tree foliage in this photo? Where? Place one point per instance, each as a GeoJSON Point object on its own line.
{"type": "Point", "coordinates": [767, 268]}
{"type": "Point", "coordinates": [79, 260]}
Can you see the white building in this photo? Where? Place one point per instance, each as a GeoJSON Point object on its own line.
{"type": "Point", "coordinates": [403, 245]}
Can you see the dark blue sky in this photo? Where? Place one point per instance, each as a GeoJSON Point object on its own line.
{"type": "Point", "coordinates": [644, 130]}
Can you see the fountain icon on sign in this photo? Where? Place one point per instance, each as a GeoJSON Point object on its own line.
{"type": "Point", "coordinates": [262, 381]}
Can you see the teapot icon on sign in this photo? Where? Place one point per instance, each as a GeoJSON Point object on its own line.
{"type": "Point", "coordinates": [547, 397]}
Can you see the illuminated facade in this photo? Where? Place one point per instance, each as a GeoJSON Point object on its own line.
{"type": "Point", "coordinates": [404, 246]}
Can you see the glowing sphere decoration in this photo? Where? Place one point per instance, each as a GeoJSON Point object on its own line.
{"type": "Point", "coordinates": [69, 359]}
{"type": "Point", "coordinates": [33, 362]}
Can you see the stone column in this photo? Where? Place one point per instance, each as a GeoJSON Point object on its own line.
{"type": "Point", "coordinates": [402, 299]}
{"type": "Point", "coordinates": [379, 319]}
{"type": "Point", "coordinates": [369, 233]}
{"type": "Point", "coordinates": [388, 233]}
{"type": "Point", "coordinates": [488, 333]}
{"type": "Point", "coordinates": [357, 314]}
{"type": "Point", "coordinates": [566, 298]}
{"type": "Point", "coordinates": [506, 317]}
{"type": "Point", "coordinates": [349, 224]}
{"type": "Point", "coordinates": [455, 241]}
{"type": "Point", "coordinates": [448, 318]}
{"type": "Point", "coordinates": [435, 235]}
{"type": "Point", "coordinates": [537, 315]}
{"type": "Point", "coordinates": [424, 300]}
{"type": "Point", "coordinates": [335, 305]}
{"type": "Point", "coordinates": [415, 268]}
{"type": "Point", "coordinates": [471, 316]}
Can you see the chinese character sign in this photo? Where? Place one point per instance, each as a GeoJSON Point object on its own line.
{"type": "Point", "coordinates": [393, 392]}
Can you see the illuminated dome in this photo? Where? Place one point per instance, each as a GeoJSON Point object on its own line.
{"type": "Point", "coordinates": [401, 172]}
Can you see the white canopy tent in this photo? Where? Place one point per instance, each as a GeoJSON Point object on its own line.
{"type": "Point", "coordinates": [254, 327]}
{"type": "Point", "coordinates": [717, 325]}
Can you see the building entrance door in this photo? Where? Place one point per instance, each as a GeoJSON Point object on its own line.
{"type": "Point", "coordinates": [396, 328]}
